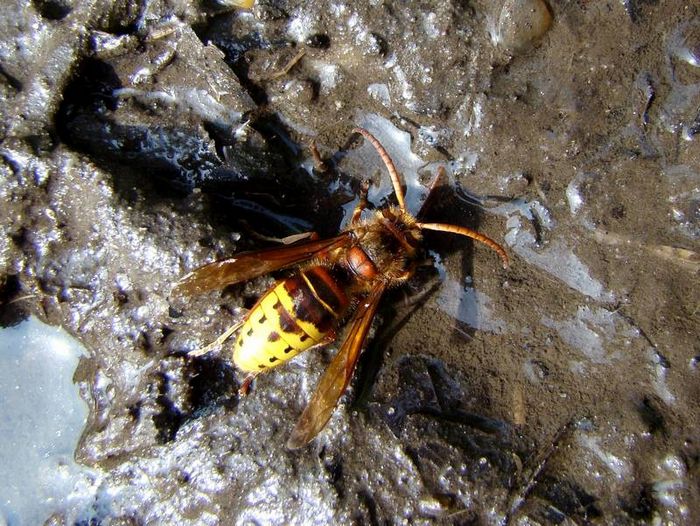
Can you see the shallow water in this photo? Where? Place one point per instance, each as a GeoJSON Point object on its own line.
{"type": "Point", "coordinates": [41, 420]}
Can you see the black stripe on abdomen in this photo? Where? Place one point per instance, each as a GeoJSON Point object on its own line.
{"type": "Point", "coordinates": [307, 306]}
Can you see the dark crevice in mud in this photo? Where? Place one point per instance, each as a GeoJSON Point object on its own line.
{"type": "Point", "coordinates": [636, 9]}
{"type": "Point", "coordinates": [53, 9]}
{"type": "Point", "coordinates": [318, 41]}
{"type": "Point", "coordinates": [640, 507]}
{"type": "Point", "coordinates": [446, 204]}
{"type": "Point", "coordinates": [212, 384]}
{"type": "Point", "coordinates": [650, 412]}
{"type": "Point", "coordinates": [134, 410]}
{"type": "Point", "coordinates": [241, 67]}
{"type": "Point", "coordinates": [262, 182]}
{"type": "Point", "coordinates": [564, 500]}
{"type": "Point", "coordinates": [485, 464]}
{"type": "Point", "coordinates": [256, 179]}
{"type": "Point", "coordinates": [83, 120]}
{"type": "Point", "coordinates": [90, 89]}
{"type": "Point", "coordinates": [169, 419]}
{"type": "Point", "coordinates": [160, 158]}
{"type": "Point", "coordinates": [22, 238]}
{"type": "Point", "coordinates": [11, 80]}
{"type": "Point", "coordinates": [235, 50]}
{"type": "Point", "coordinates": [367, 513]}
{"type": "Point", "coordinates": [499, 452]}
{"type": "Point", "coordinates": [430, 405]}
{"type": "Point", "coordinates": [395, 312]}
{"type": "Point", "coordinates": [333, 467]}
{"type": "Point", "coordinates": [270, 188]}
{"type": "Point", "coordinates": [11, 310]}
{"type": "Point", "coordinates": [124, 17]}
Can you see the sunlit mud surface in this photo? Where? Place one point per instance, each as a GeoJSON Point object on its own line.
{"type": "Point", "coordinates": [141, 140]}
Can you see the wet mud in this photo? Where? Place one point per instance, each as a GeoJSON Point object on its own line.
{"type": "Point", "coordinates": [141, 140]}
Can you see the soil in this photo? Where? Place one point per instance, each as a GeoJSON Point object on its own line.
{"type": "Point", "coordinates": [142, 140]}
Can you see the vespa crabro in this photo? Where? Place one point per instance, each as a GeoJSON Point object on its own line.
{"type": "Point", "coordinates": [340, 278]}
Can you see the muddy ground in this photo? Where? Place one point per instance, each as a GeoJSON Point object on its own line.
{"type": "Point", "coordinates": [141, 140]}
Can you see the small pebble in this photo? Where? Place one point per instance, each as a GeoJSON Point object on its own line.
{"type": "Point", "coordinates": [521, 23]}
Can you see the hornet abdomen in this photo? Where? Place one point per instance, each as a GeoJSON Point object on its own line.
{"type": "Point", "coordinates": [297, 313]}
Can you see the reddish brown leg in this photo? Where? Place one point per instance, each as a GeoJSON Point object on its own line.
{"type": "Point", "coordinates": [244, 389]}
{"type": "Point", "coordinates": [318, 162]}
{"type": "Point", "coordinates": [362, 203]}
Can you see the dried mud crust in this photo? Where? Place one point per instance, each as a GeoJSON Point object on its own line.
{"type": "Point", "coordinates": [563, 388]}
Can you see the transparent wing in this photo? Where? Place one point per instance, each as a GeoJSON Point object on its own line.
{"type": "Point", "coordinates": [248, 265]}
{"type": "Point", "coordinates": [336, 378]}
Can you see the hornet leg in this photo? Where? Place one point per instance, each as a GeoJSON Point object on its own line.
{"type": "Point", "coordinates": [218, 342]}
{"type": "Point", "coordinates": [362, 203]}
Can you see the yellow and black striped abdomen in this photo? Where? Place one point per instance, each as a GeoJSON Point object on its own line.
{"type": "Point", "coordinates": [292, 316]}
